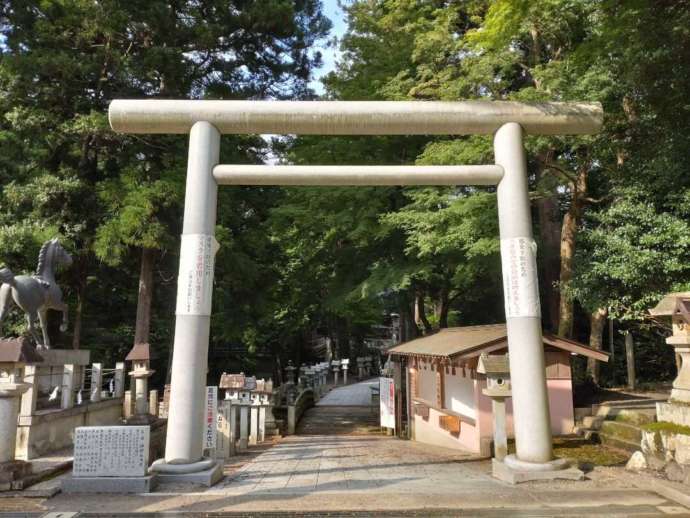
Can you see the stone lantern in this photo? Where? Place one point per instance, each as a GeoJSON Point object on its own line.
{"type": "Point", "coordinates": [290, 387]}
{"type": "Point", "coordinates": [290, 373]}
{"type": "Point", "coordinates": [677, 306]}
{"type": "Point", "coordinates": [367, 365]}
{"type": "Point", "coordinates": [302, 379]}
{"type": "Point", "coordinates": [345, 365]}
{"type": "Point", "coordinates": [248, 390]}
{"type": "Point", "coordinates": [335, 365]}
{"type": "Point", "coordinates": [140, 356]}
{"type": "Point", "coordinates": [323, 373]}
{"type": "Point", "coordinates": [14, 355]}
{"type": "Point", "coordinates": [497, 372]}
{"type": "Point", "coordinates": [233, 384]}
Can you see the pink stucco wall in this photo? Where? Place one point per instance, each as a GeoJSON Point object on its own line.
{"type": "Point", "coordinates": [463, 394]}
{"type": "Point", "coordinates": [460, 397]}
{"type": "Point", "coordinates": [560, 406]}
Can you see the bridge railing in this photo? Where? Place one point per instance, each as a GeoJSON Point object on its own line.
{"type": "Point", "coordinates": [303, 402]}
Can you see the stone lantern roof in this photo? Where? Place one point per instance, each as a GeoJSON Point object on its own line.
{"type": "Point", "coordinates": [493, 364]}
{"type": "Point", "coordinates": [673, 304]}
{"type": "Point", "coordinates": [139, 352]}
{"type": "Point", "coordinates": [18, 350]}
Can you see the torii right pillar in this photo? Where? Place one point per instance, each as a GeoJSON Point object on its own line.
{"type": "Point", "coordinates": [532, 423]}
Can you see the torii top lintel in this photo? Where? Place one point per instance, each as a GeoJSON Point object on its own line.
{"type": "Point", "coordinates": [354, 117]}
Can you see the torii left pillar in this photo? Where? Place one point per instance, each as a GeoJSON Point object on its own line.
{"type": "Point", "coordinates": [184, 461]}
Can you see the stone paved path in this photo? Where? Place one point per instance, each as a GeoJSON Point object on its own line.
{"type": "Point", "coordinates": [358, 394]}
{"type": "Point", "coordinates": [367, 476]}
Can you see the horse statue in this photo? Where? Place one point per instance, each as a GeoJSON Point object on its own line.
{"type": "Point", "coordinates": [36, 294]}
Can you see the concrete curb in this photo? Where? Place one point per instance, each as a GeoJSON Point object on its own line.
{"type": "Point", "coordinates": [669, 490]}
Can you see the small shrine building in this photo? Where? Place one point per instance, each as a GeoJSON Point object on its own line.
{"type": "Point", "coordinates": [441, 401]}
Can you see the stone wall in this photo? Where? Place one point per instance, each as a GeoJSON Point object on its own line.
{"type": "Point", "coordinates": [52, 430]}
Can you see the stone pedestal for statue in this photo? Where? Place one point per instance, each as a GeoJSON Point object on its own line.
{"type": "Point", "coordinates": [14, 355]}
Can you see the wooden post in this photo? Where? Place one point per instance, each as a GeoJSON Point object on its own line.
{"type": "Point", "coordinates": [630, 359]}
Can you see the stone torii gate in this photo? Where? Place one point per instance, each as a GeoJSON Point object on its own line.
{"type": "Point", "coordinates": [206, 121]}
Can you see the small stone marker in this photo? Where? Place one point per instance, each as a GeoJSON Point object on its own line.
{"type": "Point", "coordinates": [111, 451]}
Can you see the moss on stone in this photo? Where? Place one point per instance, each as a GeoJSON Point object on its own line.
{"type": "Point", "coordinates": [621, 430]}
{"type": "Point", "coordinates": [666, 427]}
{"type": "Point", "coordinates": [586, 454]}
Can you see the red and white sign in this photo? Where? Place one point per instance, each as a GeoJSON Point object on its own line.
{"type": "Point", "coordinates": [210, 418]}
{"type": "Point", "coordinates": [387, 402]}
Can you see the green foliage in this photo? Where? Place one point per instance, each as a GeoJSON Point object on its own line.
{"type": "Point", "coordinates": [64, 173]}
{"type": "Point", "coordinates": [633, 256]}
{"type": "Point", "coordinates": [294, 262]}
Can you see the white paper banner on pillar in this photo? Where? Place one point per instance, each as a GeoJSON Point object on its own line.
{"type": "Point", "coordinates": [211, 418]}
{"type": "Point", "coordinates": [195, 280]}
{"type": "Point", "coordinates": [520, 287]}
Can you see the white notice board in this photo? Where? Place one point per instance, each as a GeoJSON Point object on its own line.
{"type": "Point", "coordinates": [210, 418]}
{"type": "Point", "coordinates": [387, 402]}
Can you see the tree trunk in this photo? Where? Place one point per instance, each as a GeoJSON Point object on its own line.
{"type": "Point", "coordinates": [79, 310]}
{"type": "Point", "coordinates": [550, 236]}
{"type": "Point", "coordinates": [443, 307]}
{"type": "Point", "coordinates": [143, 323]}
{"type": "Point", "coordinates": [571, 224]}
{"type": "Point", "coordinates": [420, 312]}
{"type": "Point", "coordinates": [409, 326]}
{"type": "Point", "coordinates": [596, 341]}
{"type": "Point", "coordinates": [76, 335]}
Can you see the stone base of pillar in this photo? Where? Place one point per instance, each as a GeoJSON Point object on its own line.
{"type": "Point", "coordinates": [515, 471]}
{"type": "Point", "coordinates": [208, 478]}
{"type": "Point", "coordinates": [206, 472]}
{"type": "Point", "coordinates": [12, 473]}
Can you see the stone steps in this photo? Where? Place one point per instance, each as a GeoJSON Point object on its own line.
{"type": "Point", "coordinates": [618, 426]}
{"type": "Point", "coordinates": [621, 444]}
{"type": "Point", "coordinates": [622, 431]}
{"type": "Point", "coordinates": [339, 420]}
{"type": "Point", "coordinates": [621, 435]}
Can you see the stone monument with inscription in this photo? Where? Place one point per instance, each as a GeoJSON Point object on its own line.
{"type": "Point", "coordinates": [110, 459]}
